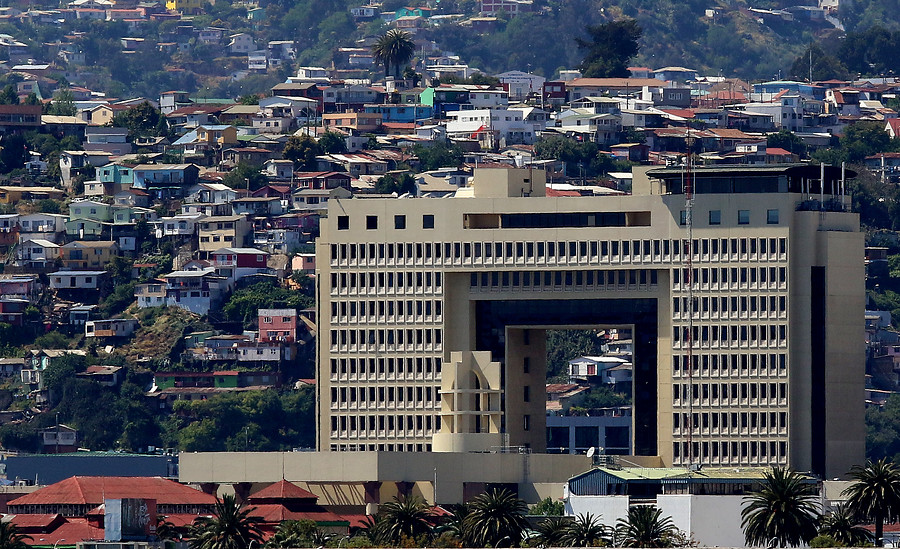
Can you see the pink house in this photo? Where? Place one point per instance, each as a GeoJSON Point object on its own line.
{"type": "Point", "coordinates": [278, 325]}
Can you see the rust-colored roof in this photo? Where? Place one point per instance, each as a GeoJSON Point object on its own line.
{"type": "Point", "coordinates": [557, 192]}
{"type": "Point", "coordinates": [776, 151]}
{"type": "Point", "coordinates": [274, 513]}
{"type": "Point", "coordinates": [70, 532]}
{"type": "Point", "coordinates": [93, 490]}
{"type": "Point", "coordinates": [283, 490]}
{"type": "Point", "coordinates": [30, 523]}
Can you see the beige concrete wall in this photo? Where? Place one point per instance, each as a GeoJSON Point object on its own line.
{"type": "Point", "coordinates": [338, 477]}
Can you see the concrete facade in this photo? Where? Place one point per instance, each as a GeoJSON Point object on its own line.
{"type": "Point", "coordinates": [777, 292]}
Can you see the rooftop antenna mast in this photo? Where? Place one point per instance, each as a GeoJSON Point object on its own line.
{"type": "Point", "coordinates": [689, 280]}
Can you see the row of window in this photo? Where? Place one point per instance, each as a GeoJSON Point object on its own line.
{"type": "Point", "coordinates": [760, 451]}
{"type": "Point", "coordinates": [381, 447]}
{"type": "Point", "coordinates": [729, 276]}
{"type": "Point", "coordinates": [343, 222]}
{"type": "Point", "coordinates": [568, 251]}
{"type": "Point", "coordinates": [744, 364]}
{"type": "Point", "coordinates": [717, 393]}
{"type": "Point", "coordinates": [397, 282]}
{"type": "Point", "coordinates": [392, 366]}
{"type": "Point", "coordinates": [370, 397]}
{"type": "Point", "coordinates": [373, 311]}
{"type": "Point", "coordinates": [772, 421]}
{"type": "Point", "coordinates": [774, 334]}
{"type": "Point", "coordinates": [568, 279]}
{"type": "Point", "coordinates": [743, 217]}
{"type": "Point", "coordinates": [378, 425]}
{"type": "Point", "coordinates": [730, 306]}
{"type": "Point", "coordinates": [392, 339]}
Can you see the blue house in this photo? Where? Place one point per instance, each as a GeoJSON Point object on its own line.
{"type": "Point", "coordinates": [401, 113]}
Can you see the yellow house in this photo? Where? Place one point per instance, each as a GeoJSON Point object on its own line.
{"type": "Point", "coordinates": [82, 254]}
{"type": "Point", "coordinates": [184, 5]}
{"type": "Point", "coordinates": [218, 134]}
{"type": "Point", "coordinates": [10, 194]}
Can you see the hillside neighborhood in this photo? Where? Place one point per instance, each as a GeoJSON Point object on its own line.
{"type": "Point", "coordinates": [315, 274]}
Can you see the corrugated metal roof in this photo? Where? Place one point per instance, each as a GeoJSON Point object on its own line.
{"type": "Point", "coordinates": [93, 490]}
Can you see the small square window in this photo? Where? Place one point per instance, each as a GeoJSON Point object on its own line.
{"type": "Point", "coordinates": [743, 217]}
{"type": "Point", "coordinates": [343, 222]}
{"type": "Point", "coordinates": [772, 217]}
{"type": "Point", "coordinates": [428, 221]}
{"type": "Point", "coordinates": [715, 217]}
{"type": "Point", "coordinates": [399, 221]}
{"type": "Point", "coordinates": [371, 222]}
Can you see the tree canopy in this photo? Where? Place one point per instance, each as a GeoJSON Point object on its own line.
{"type": "Point", "coordinates": [609, 48]}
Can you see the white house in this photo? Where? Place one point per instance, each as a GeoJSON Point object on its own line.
{"type": "Point", "coordinates": [178, 225]}
{"type": "Point", "coordinates": [77, 280]}
{"type": "Point", "coordinates": [520, 83]}
{"type": "Point", "coordinates": [44, 224]}
{"type": "Point", "coordinates": [37, 252]}
{"type": "Point", "coordinates": [491, 126]}
{"type": "Point", "coordinates": [241, 43]}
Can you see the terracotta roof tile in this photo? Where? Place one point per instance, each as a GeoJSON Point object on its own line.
{"type": "Point", "coordinates": [283, 490]}
{"type": "Point", "coordinates": [93, 490]}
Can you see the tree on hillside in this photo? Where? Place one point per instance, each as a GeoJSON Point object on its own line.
{"type": "Point", "coordinates": [8, 95]}
{"type": "Point", "coordinates": [824, 66]}
{"type": "Point", "coordinates": [394, 49]}
{"type": "Point", "coordinates": [245, 175]}
{"type": "Point", "coordinates": [875, 494]}
{"type": "Point", "coordinates": [438, 155]}
{"type": "Point", "coordinates": [787, 140]}
{"type": "Point", "coordinates": [302, 151]}
{"type": "Point", "coordinates": [142, 121]}
{"type": "Point", "coordinates": [63, 103]}
{"type": "Point", "coordinates": [332, 143]}
{"type": "Point", "coordinates": [609, 48]}
{"type": "Point", "coordinates": [782, 514]}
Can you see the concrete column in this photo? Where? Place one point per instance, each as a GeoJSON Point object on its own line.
{"type": "Point", "coordinates": [242, 490]}
{"type": "Point", "coordinates": [372, 492]}
{"type": "Point", "coordinates": [210, 488]}
{"type": "Point", "coordinates": [404, 488]}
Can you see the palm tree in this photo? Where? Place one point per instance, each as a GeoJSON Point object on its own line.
{"type": "Point", "coordinates": [644, 527]}
{"type": "Point", "coordinates": [230, 527]}
{"type": "Point", "coordinates": [404, 517]}
{"type": "Point", "coordinates": [842, 526]}
{"type": "Point", "coordinates": [875, 494]}
{"type": "Point", "coordinates": [783, 513]}
{"type": "Point", "coordinates": [585, 531]}
{"type": "Point", "coordinates": [10, 538]}
{"type": "Point", "coordinates": [394, 48]}
{"type": "Point", "coordinates": [551, 531]}
{"type": "Point", "coordinates": [452, 524]}
{"type": "Point", "coordinates": [495, 517]}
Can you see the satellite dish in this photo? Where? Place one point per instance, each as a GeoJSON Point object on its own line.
{"type": "Point", "coordinates": [591, 451]}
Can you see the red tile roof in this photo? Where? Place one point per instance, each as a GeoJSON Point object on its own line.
{"type": "Point", "coordinates": [31, 523]}
{"type": "Point", "coordinates": [557, 192]}
{"type": "Point", "coordinates": [93, 490]}
{"type": "Point", "coordinates": [775, 151]}
{"type": "Point", "coordinates": [68, 533]}
{"type": "Point", "coordinates": [283, 490]}
{"type": "Point", "coordinates": [274, 513]}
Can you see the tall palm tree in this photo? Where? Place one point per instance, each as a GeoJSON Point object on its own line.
{"type": "Point", "coordinates": [645, 527]}
{"type": "Point", "coordinates": [783, 513]}
{"type": "Point", "coordinates": [842, 526]}
{"type": "Point", "coordinates": [875, 494]}
{"type": "Point", "coordinates": [403, 517]}
{"type": "Point", "coordinates": [10, 538]}
{"type": "Point", "coordinates": [586, 531]}
{"type": "Point", "coordinates": [393, 49]}
{"type": "Point", "coordinates": [495, 517]}
{"type": "Point", "coordinates": [551, 531]}
{"type": "Point", "coordinates": [230, 527]}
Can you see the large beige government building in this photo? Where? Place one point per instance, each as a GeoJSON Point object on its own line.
{"type": "Point", "coordinates": [433, 314]}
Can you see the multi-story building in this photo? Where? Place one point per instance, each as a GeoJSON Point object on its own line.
{"type": "Point", "coordinates": [433, 314]}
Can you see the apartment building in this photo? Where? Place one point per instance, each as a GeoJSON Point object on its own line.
{"type": "Point", "coordinates": [433, 314]}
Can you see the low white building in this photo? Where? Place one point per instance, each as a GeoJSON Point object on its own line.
{"type": "Point", "coordinates": [491, 126]}
{"type": "Point", "coordinates": [705, 504]}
